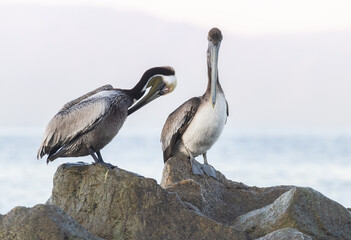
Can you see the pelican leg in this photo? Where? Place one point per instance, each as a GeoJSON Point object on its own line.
{"type": "Point", "coordinates": [99, 156]}
{"type": "Point", "coordinates": [98, 159]}
{"type": "Point", "coordinates": [208, 169]}
{"type": "Point", "coordinates": [92, 153]}
{"type": "Point", "coordinates": [195, 166]}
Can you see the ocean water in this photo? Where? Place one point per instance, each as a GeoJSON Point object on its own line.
{"type": "Point", "coordinates": [260, 157]}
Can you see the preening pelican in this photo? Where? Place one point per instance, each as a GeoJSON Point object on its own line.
{"type": "Point", "coordinates": [196, 125]}
{"type": "Point", "coordinates": [87, 124]}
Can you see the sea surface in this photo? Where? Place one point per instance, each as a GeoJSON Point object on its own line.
{"type": "Point", "coordinates": [320, 159]}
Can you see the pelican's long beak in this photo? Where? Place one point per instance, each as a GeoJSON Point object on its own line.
{"type": "Point", "coordinates": [213, 50]}
{"type": "Point", "coordinates": [160, 85]}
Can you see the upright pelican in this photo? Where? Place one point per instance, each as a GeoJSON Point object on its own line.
{"type": "Point", "coordinates": [87, 124]}
{"type": "Point", "coordinates": [195, 126]}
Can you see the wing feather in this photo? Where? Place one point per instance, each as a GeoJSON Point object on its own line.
{"type": "Point", "coordinates": [74, 119]}
{"type": "Point", "coordinates": [176, 124]}
{"type": "Point", "coordinates": [75, 101]}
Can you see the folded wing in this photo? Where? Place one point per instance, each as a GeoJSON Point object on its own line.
{"type": "Point", "coordinates": [75, 118]}
{"type": "Point", "coordinates": [176, 124]}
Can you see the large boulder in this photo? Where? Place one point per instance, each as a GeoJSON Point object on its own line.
{"type": "Point", "coordinates": [112, 203]}
{"type": "Point", "coordinates": [41, 222]}
{"type": "Point", "coordinates": [115, 204]}
{"type": "Point", "coordinates": [303, 209]}
{"type": "Point", "coordinates": [286, 234]}
{"type": "Point", "coordinates": [219, 199]}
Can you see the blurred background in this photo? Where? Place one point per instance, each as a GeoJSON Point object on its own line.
{"type": "Point", "coordinates": [284, 67]}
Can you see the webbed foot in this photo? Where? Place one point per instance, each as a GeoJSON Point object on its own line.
{"type": "Point", "coordinates": [196, 167]}
{"type": "Point", "coordinates": [209, 170]}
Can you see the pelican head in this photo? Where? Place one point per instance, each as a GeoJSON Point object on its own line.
{"type": "Point", "coordinates": [160, 80]}
{"type": "Point", "coordinates": [214, 42]}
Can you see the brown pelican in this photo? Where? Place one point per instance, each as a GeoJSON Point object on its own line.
{"type": "Point", "coordinates": [87, 124]}
{"type": "Point", "coordinates": [195, 126]}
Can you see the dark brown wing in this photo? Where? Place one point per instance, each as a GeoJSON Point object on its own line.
{"type": "Point", "coordinates": [74, 118]}
{"type": "Point", "coordinates": [176, 124]}
{"type": "Point", "coordinates": [75, 101]}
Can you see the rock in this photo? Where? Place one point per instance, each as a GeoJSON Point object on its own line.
{"type": "Point", "coordinates": [303, 209]}
{"type": "Point", "coordinates": [286, 234]}
{"type": "Point", "coordinates": [104, 202]}
{"type": "Point", "coordinates": [116, 204]}
{"type": "Point", "coordinates": [41, 222]}
{"type": "Point", "coordinates": [219, 199]}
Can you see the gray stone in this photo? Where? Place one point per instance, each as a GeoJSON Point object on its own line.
{"type": "Point", "coordinates": [41, 222]}
{"type": "Point", "coordinates": [112, 203]}
{"type": "Point", "coordinates": [219, 199]}
{"type": "Point", "coordinates": [286, 234]}
{"type": "Point", "coordinates": [116, 204]}
{"type": "Point", "coordinates": [304, 209]}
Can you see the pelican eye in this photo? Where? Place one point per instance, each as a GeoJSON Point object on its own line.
{"type": "Point", "coordinates": [165, 90]}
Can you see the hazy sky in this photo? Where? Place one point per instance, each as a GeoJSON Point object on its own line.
{"type": "Point", "coordinates": [281, 62]}
{"type": "Point", "coordinates": [252, 17]}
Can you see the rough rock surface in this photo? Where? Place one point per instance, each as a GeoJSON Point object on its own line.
{"type": "Point", "coordinates": [219, 199]}
{"type": "Point", "coordinates": [286, 233]}
{"type": "Point", "coordinates": [41, 222]}
{"type": "Point", "coordinates": [259, 211]}
{"type": "Point", "coordinates": [112, 203]}
{"type": "Point", "coordinates": [116, 204]}
{"type": "Point", "coordinates": [301, 208]}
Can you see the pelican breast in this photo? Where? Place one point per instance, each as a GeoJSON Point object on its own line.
{"type": "Point", "coordinates": [206, 126]}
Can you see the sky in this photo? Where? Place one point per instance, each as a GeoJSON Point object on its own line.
{"type": "Point", "coordinates": [255, 17]}
{"type": "Point", "coordinates": [294, 51]}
